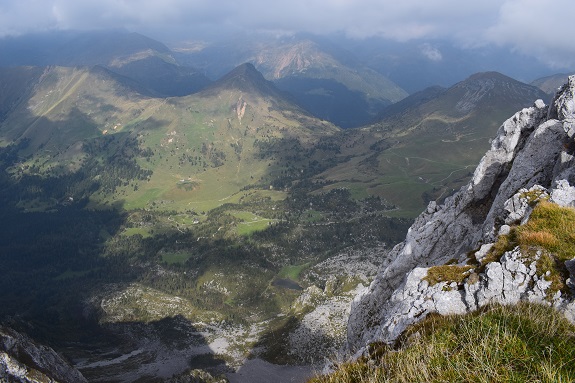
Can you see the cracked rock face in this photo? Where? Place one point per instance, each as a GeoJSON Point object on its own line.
{"type": "Point", "coordinates": [508, 281]}
{"type": "Point", "coordinates": [531, 155]}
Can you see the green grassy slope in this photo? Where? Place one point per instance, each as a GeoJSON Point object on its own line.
{"type": "Point", "coordinates": [201, 150]}
{"type": "Point", "coordinates": [241, 133]}
{"type": "Point", "coordinates": [426, 152]}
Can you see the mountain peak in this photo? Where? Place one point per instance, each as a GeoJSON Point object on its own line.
{"type": "Point", "coordinates": [245, 69]}
{"type": "Point", "coordinates": [247, 79]}
{"type": "Point", "coordinates": [487, 80]}
{"type": "Point", "coordinates": [492, 88]}
{"type": "Point", "coordinates": [246, 72]}
{"type": "Point", "coordinates": [488, 75]}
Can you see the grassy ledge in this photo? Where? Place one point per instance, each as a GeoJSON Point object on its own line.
{"type": "Point", "coordinates": [522, 343]}
{"type": "Point", "coordinates": [447, 273]}
{"type": "Point", "coordinates": [548, 237]}
{"type": "Point", "coordinates": [550, 230]}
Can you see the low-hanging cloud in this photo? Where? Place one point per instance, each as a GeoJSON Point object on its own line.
{"type": "Point", "coordinates": [544, 29]}
{"type": "Point", "coordinates": [534, 27]}
{"type": "Point", "coordinates": [431, 52]}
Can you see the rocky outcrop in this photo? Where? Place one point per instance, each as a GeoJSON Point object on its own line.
{"type": "Point", "coordinates": [531, 155]}
{"type": "Point", "coordinates": [196, 376]}
{"type": "Point", "coordinates": [24, 361]}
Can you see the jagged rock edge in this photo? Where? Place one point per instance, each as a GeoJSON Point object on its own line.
{"type": "Point", "coordinates": [529, 152]}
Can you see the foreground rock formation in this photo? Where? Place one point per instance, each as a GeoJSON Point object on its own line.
{"type": "Point", "coordinates": [532, 155]}
{"type": "Point", "coordinates": [23, 360]}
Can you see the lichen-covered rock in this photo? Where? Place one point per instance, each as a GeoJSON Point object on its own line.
{"type": "Point", "coordinates": [507, 281]}
{"type": "Point", "coordinates": [531, 156]}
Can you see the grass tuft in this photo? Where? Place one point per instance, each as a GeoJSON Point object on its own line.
{"type": "Point", "coordinates": [535, 196]}
{"type": "Point", "coordinates": [551, 228]}
{"type": "Point", "coordinates": [542, 238]}
{"type": "Point", "coordinates": [550, 233]}
{"type": "Point", "coordinates": [504, 243]}
{"type": "Point", "coordinates": [447, 273]}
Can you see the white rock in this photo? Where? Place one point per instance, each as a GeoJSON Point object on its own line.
{"type": "Point", "coordinates": [528, 154]}
{"type": "Point", "coordinates": [483, 251]}
{"type": "Point", "coordinates": [563, 194]}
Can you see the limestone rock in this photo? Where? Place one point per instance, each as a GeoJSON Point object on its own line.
{"type": "Point", "coordinates": [518, 207]}
{"type": "Point", "coordinates": [448, 231]}
{"type": "Point", "coordinates": [564, 102]}
{"type": "Point", "coordinates": [482, 252]}
{"type": "Point", "coordinates": [196, 376]}
{"type": "Point", "coordinates": [563, 194]}
{"type": "Point", "coordinates": [22, 360]}
{"type": "Point", "coordinates": [530, 157]}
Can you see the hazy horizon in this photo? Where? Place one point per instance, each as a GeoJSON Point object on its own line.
{"type": "Point", "coordinates": [528, 27]}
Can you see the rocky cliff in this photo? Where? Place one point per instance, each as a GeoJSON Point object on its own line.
{"type": "Point", "coordinates": [24, 361]}
{"type": "Point", "coordinates": [531, 159]}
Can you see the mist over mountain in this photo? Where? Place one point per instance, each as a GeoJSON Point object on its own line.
{"type": "Point", "coordinates": [75, 48]}
{"type": "Point", "coordinates": [346, 81]}
{"type": "Point", "coordinates": [325, 73]}
{"type": "Point", "coordinates": [416, 65]}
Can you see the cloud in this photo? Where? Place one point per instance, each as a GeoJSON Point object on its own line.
{"type": "Point", "coordinates": [431, 52]}
{"type": "Point", "coordinates": [18, 17]}
{"type": "Point", "coordinates": [539, 28]}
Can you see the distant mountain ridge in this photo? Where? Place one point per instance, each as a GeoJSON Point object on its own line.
{"type": "Point", "coordinates": [461, 118]}
{"type": "Point", "coordinates": [427, 145]}
{"type": "Point", "coordinates": [245, 77]}
{"type": "Point", "coordinates": [60, 112]}
{"type": "Point", "coordinates": [410, 102]}
{"type": "Point", "coordinates": [492, 87]}
{"type": "Point", "coordinates": [330, 89]}
{"type": "Point", "coordinates": [551, 84]}
{"type": "Point", "coordinates": [132, 55]}
{"type": "Point", "coordinates": [322, 81]}
{"type": "Point", "coordinates": [343, 92]}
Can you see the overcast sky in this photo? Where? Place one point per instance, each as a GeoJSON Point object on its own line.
{"type": "Point", "coordinates": [544, 29]}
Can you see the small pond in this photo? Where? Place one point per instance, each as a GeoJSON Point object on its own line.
{"type": "Point", "coordinates": [286, 284]}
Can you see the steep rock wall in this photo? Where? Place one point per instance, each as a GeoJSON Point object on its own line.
{"type": "Point", "coordinates": [532, 150]}
{"type": "Point", "coordinates": [23, 360]}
